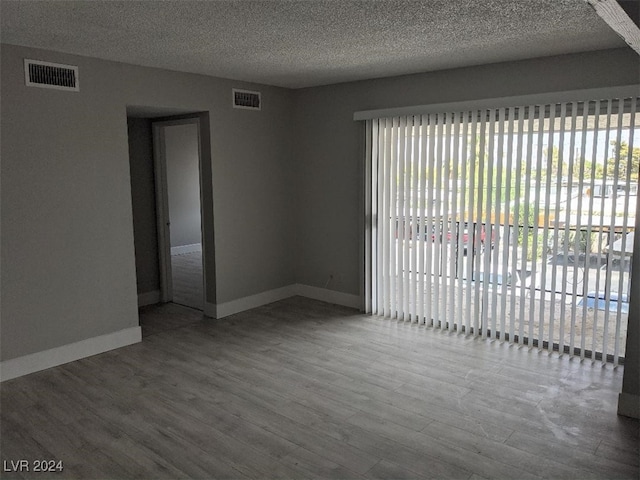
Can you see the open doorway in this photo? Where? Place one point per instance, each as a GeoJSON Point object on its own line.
{"type": "Point", "coordinates": [158, 281]}
{"type": "Point", "coordinates": [179, 211]}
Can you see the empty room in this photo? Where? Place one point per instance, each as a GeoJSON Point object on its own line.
{"type": "Point", "coordinates": [319, 239]}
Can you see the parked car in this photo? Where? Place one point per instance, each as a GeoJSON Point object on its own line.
{"type": "Point", "coordinates": [465, 231]}
{"type": "Point", "coordinates": [448, 233]}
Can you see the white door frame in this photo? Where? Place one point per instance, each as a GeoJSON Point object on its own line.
{"type": "Point", "coordinates": [162, 206]}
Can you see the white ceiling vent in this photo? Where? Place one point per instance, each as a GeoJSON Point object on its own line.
{"type": "Point", "coordinates": [246, 99]}
{"type": "Point", "coordinates": [51, 75]}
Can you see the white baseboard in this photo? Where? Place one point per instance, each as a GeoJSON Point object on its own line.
{"type": "Point", "coordinates": [182, 249]}
{"type": "Point", "coordinates": [17, 367]}
{"type": "Point", "coordinates": [210, 310]}
{"type": "Point", "coordinates": [222, 310]}
{"type": "Point", "coordinates": [629, 405]}
{"type": "Point", "coordinates": [247, 303]}
{"type": "Point", "coordinates": [148, 298]}
{"type": "Point", "coordinates": [329, 296]}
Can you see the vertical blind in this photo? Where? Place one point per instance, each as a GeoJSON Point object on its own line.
{"type": "Point", "coordinates": [511, 223]}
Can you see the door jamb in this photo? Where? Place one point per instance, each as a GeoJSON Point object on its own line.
{"type": "Point", "coordinates": [162, 206]}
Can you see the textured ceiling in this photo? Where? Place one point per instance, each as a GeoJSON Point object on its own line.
{"type": "Point", "coordinates": [307, 43]}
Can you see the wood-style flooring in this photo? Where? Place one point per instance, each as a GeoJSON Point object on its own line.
{"type": "Point", "coordinates": [303, 389]}
{"type": "Point", "coordinates": [186, 277]}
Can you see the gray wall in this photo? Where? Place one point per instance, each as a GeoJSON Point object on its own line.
{"type": "Point", "coordinates": [328, 143]}
{"type": "Point", "coordinates": [631, 381]}
{"type": "Point", "coordinates": [329, 154]}
{"type": "Point", "coordinates": [285, 192]}
{"type": "Point", "coordinates": [183, 183]}
{"type": "Point", "coordinates": [67, 253]}
{"type": "Point", "coordinates": [143, 203]}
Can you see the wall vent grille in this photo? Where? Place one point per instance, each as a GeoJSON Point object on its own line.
{"type": "Point", "coordinates": [51, 75]}
{"type": "Point", "coordinates": [246, 99]}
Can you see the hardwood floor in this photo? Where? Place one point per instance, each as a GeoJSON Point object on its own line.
{"type": "Point", "coordinates": [186, 274]}
{"type": "Point", "coordinates": [304, 389]}
{"type": "Point", "coordinates": [162, 317]}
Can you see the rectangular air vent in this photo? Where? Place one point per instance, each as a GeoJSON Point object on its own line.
{"type": "Point", "coordinates": [246, 99]}
{"type": "Point", "coordinates": [51, 75]}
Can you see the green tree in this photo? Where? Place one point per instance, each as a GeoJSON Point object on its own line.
{"type": "Point", "coordinates": [620, 156]}
{"type": "Point", "coordinates": [556, 166]}
{"type": "Point", "coordinates": [588, 168]}
{"type": "Point", "coordinates": [528, 226]}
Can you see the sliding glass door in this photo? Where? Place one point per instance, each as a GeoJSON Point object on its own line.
{"type": "Point", "coordinates": [511, 223]}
